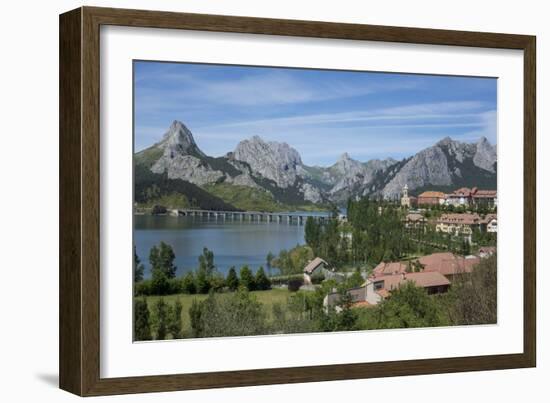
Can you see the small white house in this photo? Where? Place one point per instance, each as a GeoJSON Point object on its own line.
{"type": "Point", "coordinates": [316, 266]}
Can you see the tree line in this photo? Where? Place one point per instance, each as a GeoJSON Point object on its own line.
{"type": "Point", "coordinates": [472, 299]}
{"type": "Point", "coordinates": [204, 279]}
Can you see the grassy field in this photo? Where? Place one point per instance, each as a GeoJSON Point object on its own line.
{"type": "Point", "coordinates": [267, 298]}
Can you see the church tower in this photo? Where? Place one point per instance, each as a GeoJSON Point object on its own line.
{"type": "Point", "coordinates": [405, 200]}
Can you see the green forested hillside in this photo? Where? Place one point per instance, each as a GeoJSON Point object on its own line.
{"type": "Point", "coordinates": [151, 189]}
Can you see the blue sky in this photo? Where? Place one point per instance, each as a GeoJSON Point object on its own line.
{"type": "Point", "coordinates": [320, 113]}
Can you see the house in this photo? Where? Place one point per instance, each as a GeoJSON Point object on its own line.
{"type": "Point", "coordinates": [357, 296]}
{"type": "Point", "coordinates": [378, 289]}
{"type": "Point", "coordinates": [316, 266]}
{"type": "Point", "coordinates": [460, 197]}
{"type": "Point", "coordinates": [485, 198]}
{"type": "Point", "coordinates": [375, 290]}
{"type": "Point", "coordinates": [447, 264]}
{"type": "Point", "coordinates": [490, 223]}
{"type": "Point", "coordinates": [415, 220]}
{"type": "Point", "coordinates": [431, 198]}
{"type": "Point", "coordinates": [458, 223]}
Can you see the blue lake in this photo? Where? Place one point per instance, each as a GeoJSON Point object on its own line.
{"type": "Point", "coordinates": [234, 242]}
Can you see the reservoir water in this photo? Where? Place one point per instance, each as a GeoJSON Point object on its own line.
{"type": "Point", "coordinates": [234, 242]}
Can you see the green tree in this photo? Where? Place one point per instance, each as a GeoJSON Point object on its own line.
{"type": "Point", "coordinates": [232, 281]}
{"type": "Point", "coordinates": [410, 306]}
{"type": "Point", "coordinates": [206, 261]}
{"type": "Point", "coordinates": [262, 281]}
{"type": "Point", "coordinates": [142, 327]}
{"type": "Point", "coordinates": [159, 282]}
{"type": "Point", "coordinates": [161, 319]}
{"type": "Point", "coordinates": [473, 296]}
{"type": "Point", "coordinates": [138, 268]}
{"type": "Point", "coordinates": [269, 260]}
{"type": "Point", "coordinates": [188, 283]}
{"type": "Point", "coordinates": [247, 279]}
{"type": "Point", "coordinates": [195, 318]}
{"type": "Point", "coordinates": [355, 280]}
{"type": "Point", "coordinates": [344, 319]}
{"type": "Point", "coordinates": [162, 258]}
{"type": "Point", "coordinates": [235, 314]}
{"type": "Point", "coordinates": [217, 282]}
{"type": "Point", "coordinates": [202, 282]}
{"type": "Point", "coordinates": [175, 325]}
{"type": "Point", "coordinates": [312, 233]}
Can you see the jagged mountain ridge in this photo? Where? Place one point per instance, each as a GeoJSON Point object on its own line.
{"type": "Point", "coordinates": [277, 168]}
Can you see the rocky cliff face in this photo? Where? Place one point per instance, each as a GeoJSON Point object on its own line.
{"type": "Point", "coordinates": [276, 161]}
{"type": "Point", "coordinates": [446, 163]}
{"type": "Point", "coordinates": [182, 159]}
{"type": "Point", "coordinates": [353, 177]}
{"type": "Point", "coordinates": [278, 168]}
{"type": "Point", "coordinates": [486, 155]}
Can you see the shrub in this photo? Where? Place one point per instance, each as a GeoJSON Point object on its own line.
{"type": "Point", "coordinates": [235, 314]}
{"type": "Point", "coordinates": [175, 326]}
{"type": "Point", "coordinates": [261, 280]}
{"type": "Point", "coordinates": [295, 284]}
{"type": "Point", "coordinates": [247, 279]}
{"type": "Point", "coordinates": [158, 210]}
{"type": "Point", "coordinates": [142, 327]}
{"type": "Point", "coordinates": [202, 282]}
{"type": "Point", "coordinates": [174, 286]}
{"type": "Point", "coordinates": [161, 319]}
{"type": "Point", "coordinates": [159, 283]}
{"type": "Point", "coordinates": [143, 288]}
{"type": "Point", "coordinates": [188, 283]}
{"type": "Point", "coordinates": [217, 282]}
{"type": "Point", "coordinates": [232, 281]}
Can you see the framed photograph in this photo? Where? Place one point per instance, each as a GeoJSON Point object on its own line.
{"type": "Point", "coordinates": [249, 201]}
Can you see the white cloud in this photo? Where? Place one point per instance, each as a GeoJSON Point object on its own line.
{"type": "Point", "coordinates": [272, 88]}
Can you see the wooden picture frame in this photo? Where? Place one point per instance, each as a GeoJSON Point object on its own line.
{"type": "Point", "coordinates": [79, 346]}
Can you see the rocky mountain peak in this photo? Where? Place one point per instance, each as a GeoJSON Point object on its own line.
{"type": "Point", "coordinates": [276, 161]}
{"type": "Point", "coordinates": [344, 157]}
{"type": "Point", "coordinates": [485, 155]}
{"type": "Point", "coordinates": [445, 141]}
{"type": "Point", "coordinates": [179, 139]}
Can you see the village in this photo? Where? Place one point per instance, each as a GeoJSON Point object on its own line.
{"type": "Point", "coordinates": [434, 272]}
{"type": "Point", "coordinates": [412, 261]}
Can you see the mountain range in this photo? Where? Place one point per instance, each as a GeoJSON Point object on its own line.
{"type": "Point", "coordinates": [268, 175]}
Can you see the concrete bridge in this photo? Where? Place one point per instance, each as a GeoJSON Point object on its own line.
{"type": "Point", "coordinates": [250, 216]}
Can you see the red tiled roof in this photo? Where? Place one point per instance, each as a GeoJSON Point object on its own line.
{"type": "Point", "coordinates": [448, 264]}
{"type": "Point", "coordinates": [421, 279]}
{"type": "Point", "coordinates": [457, 218]}
{"type": "Point", "coordinates": [431, 193]}
{"type": "Point", "coordinates": [481, 194]}
{"type": "Point", "coordinates": [385, 269]}
{"type": "Point", "coordinates": [489, 217]}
